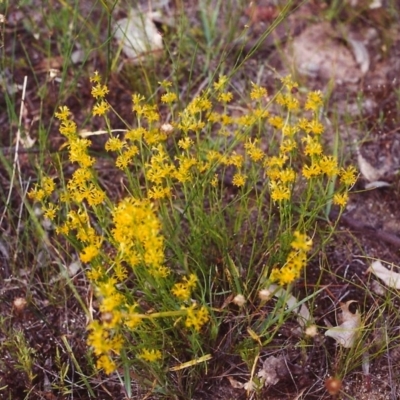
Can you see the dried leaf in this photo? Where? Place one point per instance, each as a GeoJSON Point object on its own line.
{"type": "Point", "coordinates": [346, 333]}
{"type": "Point", "coordinates": [273, 369]}
{"type": "Point", "coordinates": [249, 386]}
{"type": "Point", "coordinates": [234, 383]}
{"type": "Point", "coordinates": [291, 301]}
{"type": "Point", "coordinates": [361, 54]}
{"type": "Point", "coordinates": [137, 35]}
{"type": "Point", "coordinates": [389, 277]}
{"type": "Point", "coordinates": [74, 268]}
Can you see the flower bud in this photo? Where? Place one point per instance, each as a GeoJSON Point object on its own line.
{"type": "Point", "coordinates": [239, 300]}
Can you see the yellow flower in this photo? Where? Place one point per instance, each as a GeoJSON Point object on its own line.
{"type": "Point", "coordinates": [314, 101]}
{"type": "Point", "coordinates": [260, 113]}
{"type": "Point", "coordinates": [257, 92]}
{"type": "Point", "coordinates": [225, 97]}
{"type": "Point", "coordinates": [159, 192]}
{"type": "Point", "coordinates": [226, 120]}
{"type": "Point", "coordinates": [132, 318]}
{"type": "Point", "coordinates": [288, 82]}
{"type": "Point", "coordinates": [313, 147]}
{"type": "Point", "coordinates": [279, 192]}
{"type": "Point", "coordinates": [301, 242]}
{"type": "Point", "coordinates": [137, 99]}
{"type": "Point", "coordinates": [287, 175]}
{"type": "Point", "coordinates": [37, 194]}
{"type": "Point", "coordinates": [348, 176]}
{"type": "Point", "coordinates": [221, 83]}
{"type": "Point", "coordinates": [311, 171]}
{"type": "Point", "coordinates": [292, 103]}
{"type": "Point", "coordinates": [287, 275]}
{"type": "Point", "coordinates": [183, 289]}
{"type": "Point", "coordinates": [88, 253]}
{"type": "Point", "coordinates": [236, 160]}
{"type": "Point", "coordinates": [185, 143]}
{"type": "Point", "coordinates": [95, 78]}
{"type": "Point", "coordinates": [63, 114]}
{"type": "Point", "coordinates": [99, 91]}
{"type": "Point", "coordinates": [275, 161]}
{"type": "Point", "coordinates": [239, 179]}
{"type": "Point", "coordinates": [101, 108]}
{"type": "Point", "coordinates": [302, 123]}
{"type": "Point", "coordinates": [48, 185]}
{"type": "Point", "coordinates": [120, 272]}
{"type": "Point", "coordinates": [289, 130]}
{"type": "Point", "coordinates": [165, 84]}
{"type": "Point", "coordinates": [288, 101]}
{"type": "Point", "coordinates": [135, 134]}
{"type": "Point", "coordinates": [114, 144]}
{"type": "Point", "coordinates": [328, 165]}
{"type": "Point", "coordinates": [106, 363]}
{"type": "Point", "coordinates": [276, 121]}
{"type": "Point", "coordinates": [214, 181]}
{"type": "Point", "coordinates": [275, 275]}
{"type": "Point", "coordinates": [151, 355]}
{"type": "Point", "coordinates": [341, 199]}
{"type": "Point", "coordinates": [273, 173]}
{"type": "Point", "coordinates": [196, 318]}
{"type": "Point", "coordinates": [254, 152]}
{"type": "Point", "coordinates": [98, 338]}
{"type": "Point", "coordinates": [95, 196]}
{"type": "Point", "coordinates": [287, 146]}
{"type": "Point", "coordinates": [68, 129]}
{"type": "Point", "coordinates": [124, 159]}
{"type": "Point", "coordinates": [50, 211]}
{"type": "Point", "coordinates": [315, 127]}
{"type": "Point", "coordinates": [213, 117]}
{"type": "Point", "coordinates": [169, 97]}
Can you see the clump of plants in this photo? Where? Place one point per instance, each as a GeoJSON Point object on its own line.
{"type": "Point", "coordinates": [218, 216]}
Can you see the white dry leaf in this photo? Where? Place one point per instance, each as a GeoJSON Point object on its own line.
{"type": "Point", "coordinates": [84, 133]}
{"type": "Point", "coordinates": [388, 276]}
{"type": "Point", "coordinates": [360, 53]}
{"type": "Point", "coordinates": [346, 333]}
{"type": "Point", "coordinates": [375, 4]}
{"type": "Point", "coordinates": [302, 311]}
{"type": "Point", "coordinates": [78, 56]}
{"type": "Point", "coordinates": [249, 386]}
{"type": "Point", "coordinates": [137, 35]}
{"type": "Point", "coordinates": [74, 268]}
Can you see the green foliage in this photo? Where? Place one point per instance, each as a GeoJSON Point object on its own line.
{"type": "Point", "coordinates": [192, 192]}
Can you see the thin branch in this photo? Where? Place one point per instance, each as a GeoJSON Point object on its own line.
{"type": "Point", "coordinates": [16, 159]}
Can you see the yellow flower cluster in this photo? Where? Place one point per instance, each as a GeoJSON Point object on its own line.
{"type": "Point", "coordinates": [196, 318]}
{"type": "Point", "coordinates": [182, 290]}
{"type": "Point", "coordinates": [295, 261]}
{"type": "Point", "coordinates": [209, 139]}
{"type": "Point", "coordinates": [137, 236]}
{"type": "Point", "coordinates": [150, 355]}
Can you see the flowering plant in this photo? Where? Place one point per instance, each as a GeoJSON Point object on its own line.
{"type": "Point", "coordinates": [164, 260]}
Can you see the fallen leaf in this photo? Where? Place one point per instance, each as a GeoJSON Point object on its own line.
{"type": "Point", "coordinates": [302, 311]}
{"type": "Point", "coordinates": [346, 333]}
{"type": "Point", "coordinates": [137, 35]}
{"type": "Point", "coordinates": [249, 386]}
{"type": "Point", "coordinates": [234, 383]}
{"type": "Point", "coordinates": [388, 276]}
{"type": "Point", "coordinates": [273, 369]}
